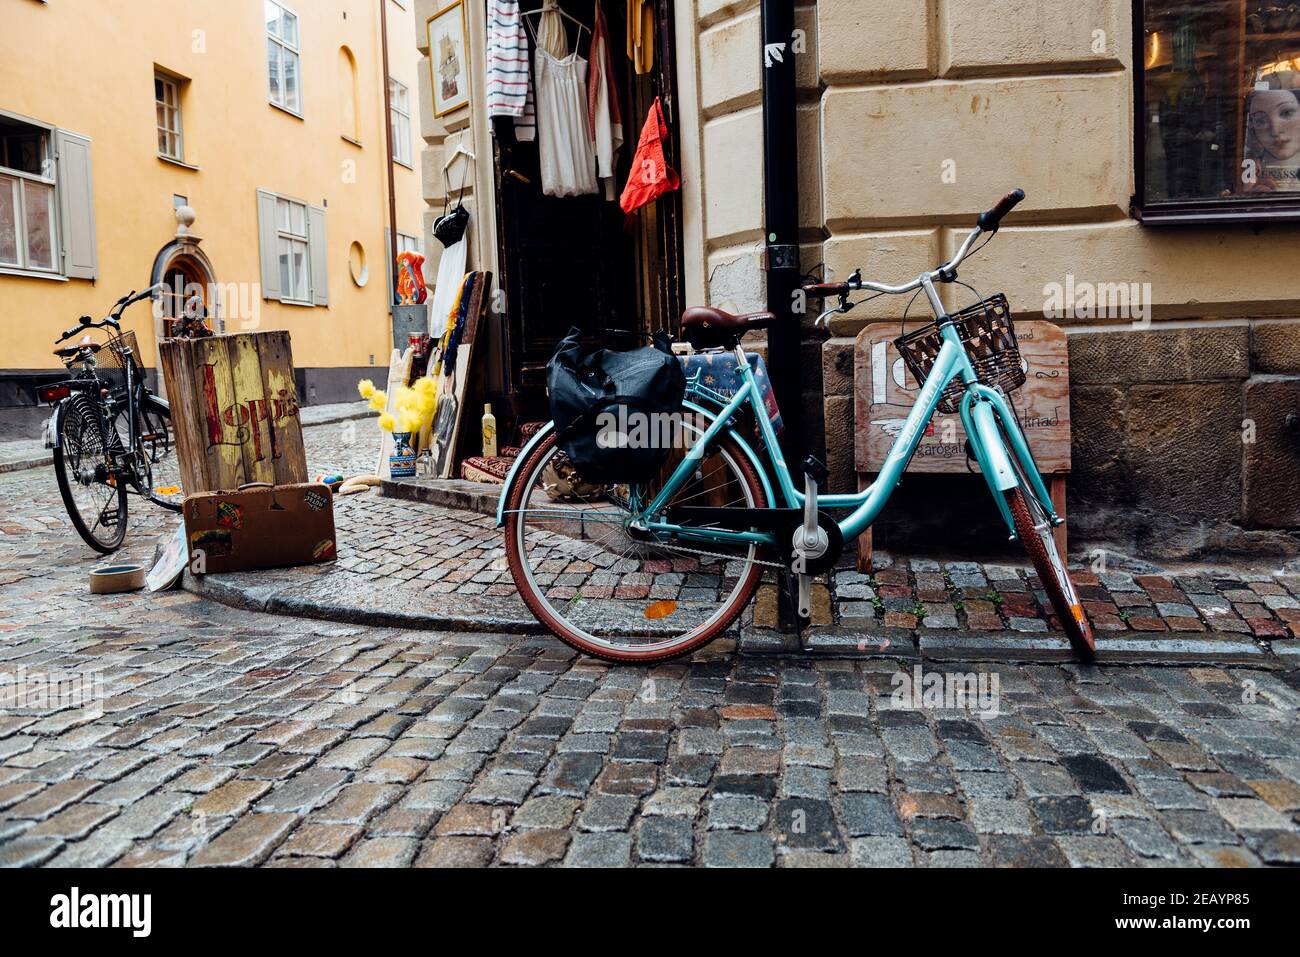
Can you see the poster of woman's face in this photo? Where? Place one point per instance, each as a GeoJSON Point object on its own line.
{"type": "Point", "coordinates": [448, 58]}
{"type": "Point", "coordinates": [1273, 138]}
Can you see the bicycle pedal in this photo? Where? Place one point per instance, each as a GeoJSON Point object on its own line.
{"type": "Point", "coordinates": [814, 468]}
{"type": "Point", "coordinates": [108, 518]}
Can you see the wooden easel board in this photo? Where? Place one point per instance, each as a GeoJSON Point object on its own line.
{"type": "Point", "coordinates": [885, 391]}
{"type": "Point", "coordinates": [454, 385]}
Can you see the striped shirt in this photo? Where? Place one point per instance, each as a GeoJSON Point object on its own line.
{"type": "Point", "coordinates": [509, 83]}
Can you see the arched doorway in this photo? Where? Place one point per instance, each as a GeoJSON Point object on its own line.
{"type": "Point", "coordinates": [191, 288]}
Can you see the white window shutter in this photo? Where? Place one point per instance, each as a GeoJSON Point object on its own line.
{"type": "Point", "coordinates": [76, 194]}
{"type": "Point", "coordinates": [320, 250]}
{"type": "Point", "coordinates": [268, 245]}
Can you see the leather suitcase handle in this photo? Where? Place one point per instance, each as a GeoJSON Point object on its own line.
{"type": "Point", "coordinates": [248, 485]}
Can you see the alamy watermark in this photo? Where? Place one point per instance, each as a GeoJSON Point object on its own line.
{"type": "Point", "coordinates": [30, 691]}
{"type": "Point", "coordinates": [236, 303]}
{"type": "Point", "coordinates": [1080, 299]}
{"type": "Point", "coordinates": [629, 429]}
{"type": "Point", "coordinates": [976, 692]}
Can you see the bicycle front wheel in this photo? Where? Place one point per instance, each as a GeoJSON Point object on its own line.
{"type": "Point", "coordinates": [611, 590]}
{"type": "Point", "coordinates": [1035, 532]}
{"type": "Point", "coordinates": [91, 492]}
{"type": "Point", "coordinates": [160, 470]}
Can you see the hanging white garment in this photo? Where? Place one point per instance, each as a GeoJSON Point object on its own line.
{"type": "Point", "coordinates": [451, 273]}
{"type": "Point", "coordinates": [564, 132]}
{"type": "Point", "coordinates": [550, 31]}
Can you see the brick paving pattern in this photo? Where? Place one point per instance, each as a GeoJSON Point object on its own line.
{"type": "Point", "coordinates": [229, 738]}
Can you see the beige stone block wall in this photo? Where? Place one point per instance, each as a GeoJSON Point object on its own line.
{"type": "Point", "coordinates": [1020, 36]}
{"type": "Point", "coordinates": [944, 151]}
{"type": "Point", "coordinates": [1201, 274]}
{"type": "Point", "coordinates": [731, 78]}
{"type": "Point", "coordinates": [865, 41]}
{"type": "Point", "coordinates": [727, 54]}
{"type": "Point", "coordinates": [442, 135]}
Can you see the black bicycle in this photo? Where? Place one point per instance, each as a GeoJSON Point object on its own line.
{"type": "Point", "coordinates": [111, 433]}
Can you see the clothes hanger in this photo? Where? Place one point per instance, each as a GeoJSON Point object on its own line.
{"type": "Point", "coordinates": [548, 7]}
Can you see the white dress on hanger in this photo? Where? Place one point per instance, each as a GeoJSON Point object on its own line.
{"type": "Point", "coordinates": [563, 127]}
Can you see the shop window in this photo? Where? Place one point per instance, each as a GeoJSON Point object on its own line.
{"type": "Point", "coordinates": [1218, 110]}
{"type": "Point", "coordinates": [282, 57]}
{"type": "Point", "coordinates": [47, 221]}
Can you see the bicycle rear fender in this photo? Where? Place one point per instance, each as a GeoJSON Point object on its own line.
{"type": "Point", "coordinates": [154, 403]}
{"type": "Point", "coordinates": [546, 430]}
{"type": "Point", "coordinates": [513, 476]}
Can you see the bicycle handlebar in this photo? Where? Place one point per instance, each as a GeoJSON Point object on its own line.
{"type": "Point", "coordinates": [115, 314]}
{"type": "Point", "coordinates": [988, 222]}
{"type": "Point", "coordinates": [991, 219]}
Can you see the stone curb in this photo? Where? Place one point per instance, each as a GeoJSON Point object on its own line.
{"type": "Point", "coordinates": [19, 465]}
{"type": "Point", "coordinates": [480, 497]}
{"type": "Point", "coordinates": [295, 599]}
{"type": "Point", "coordinates": [317, 600]}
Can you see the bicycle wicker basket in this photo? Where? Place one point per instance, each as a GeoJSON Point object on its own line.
{"type": "Point", "coordinates": [115, 351]}
{"type": "Point", "coordinates": [989, 335]}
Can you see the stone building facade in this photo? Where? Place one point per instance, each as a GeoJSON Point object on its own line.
{"type": "Point", "coordinates": [914, 116]}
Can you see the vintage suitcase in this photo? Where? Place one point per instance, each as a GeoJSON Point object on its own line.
{"type": "Point", "coordinates": [259, 526]}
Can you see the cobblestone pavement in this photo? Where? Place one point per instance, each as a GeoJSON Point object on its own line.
{"type": "Point", "coordinates": [426, 566]}
{"type": "Point", "coordinates": [227, 737]}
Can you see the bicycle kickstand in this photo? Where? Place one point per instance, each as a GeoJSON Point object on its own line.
{"type": "Point", "coordinates": [810, 540]}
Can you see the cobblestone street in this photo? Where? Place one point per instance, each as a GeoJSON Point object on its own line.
{"type": "Point", "coordinates": [229, 737]}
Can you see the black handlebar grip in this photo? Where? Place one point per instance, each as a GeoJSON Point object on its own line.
{"type": "Point", "coordinates": [824, 290]}
{"type": "Point", "coordinates": [990, 220]}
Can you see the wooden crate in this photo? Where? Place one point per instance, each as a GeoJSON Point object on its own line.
{"type": "Point", "coordinates": [234, 410]}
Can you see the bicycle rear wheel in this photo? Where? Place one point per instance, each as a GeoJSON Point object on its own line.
{"type": "Point", "coordinates": [94, 498]}
{"type": "Point", "coordinates": [621, 594]}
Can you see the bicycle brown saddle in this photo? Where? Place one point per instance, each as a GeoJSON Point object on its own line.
{"type": "Point", "coordinates": [706, 317]}
{"type": "Point", "coordinates": [71, 352]}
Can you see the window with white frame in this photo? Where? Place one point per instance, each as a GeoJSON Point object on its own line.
{"type": "Point", "coordinates": [400, 118]}
{"type": "Point", "coordinates": [282, 48]}
{"type": "Point", "coordinates": [294, 250]}
{"type": "Point", "coordinates": [28, 211]}
{"type": "Point", "coordinates": [167, 104]}
{"type": "Point", "coordinates": [408, 244]}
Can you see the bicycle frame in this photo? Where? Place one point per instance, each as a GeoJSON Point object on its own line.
{"type": "Point", "coordinates": [982, 410]}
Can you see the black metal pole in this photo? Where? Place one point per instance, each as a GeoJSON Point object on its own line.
{"type": "Point", "coordinates": [781, 218]}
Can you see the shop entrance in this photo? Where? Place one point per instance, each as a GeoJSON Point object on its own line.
{"type": "Point", "coordinates": [577, 260]}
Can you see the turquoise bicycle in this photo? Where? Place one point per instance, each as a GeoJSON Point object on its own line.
{"type": "Point", "coordinates": [644, 573]}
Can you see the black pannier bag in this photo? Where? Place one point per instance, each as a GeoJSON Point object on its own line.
{"type": "Point", "coordinates": [643, 382]}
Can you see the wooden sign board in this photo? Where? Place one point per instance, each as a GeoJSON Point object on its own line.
{"type": "Point", "coordinates": [885, 392]}
{"type": "Point", "coordinates": [234, 409]}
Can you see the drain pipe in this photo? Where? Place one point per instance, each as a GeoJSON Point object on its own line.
{"type": "Point", "coordinates": [781, 219]}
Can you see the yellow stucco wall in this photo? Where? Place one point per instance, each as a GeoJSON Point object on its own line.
{"type": "Point", "coordinates": [88, 67]}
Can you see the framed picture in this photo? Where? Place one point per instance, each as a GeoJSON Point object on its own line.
{"type": "Point", "coordinates": [449, 58]}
